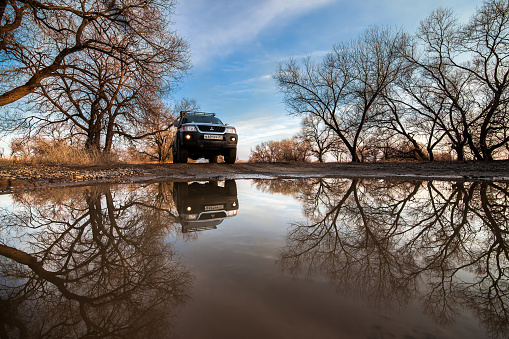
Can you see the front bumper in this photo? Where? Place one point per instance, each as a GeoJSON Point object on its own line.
{"type": "Point", "coordinates": [198, 140]}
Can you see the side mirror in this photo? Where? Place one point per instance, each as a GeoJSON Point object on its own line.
{"type": "Point", "coordinates": [175, 123]}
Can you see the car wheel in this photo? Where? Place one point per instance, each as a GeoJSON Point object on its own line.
{"type": "Point", "coordinates": [180, 156]}
{"type": "Point", "coordinates": [231, 156]}
{"type": "Point", "coordinates": [231, 187]}
{"type": "Point", "coordinates": [183, 155]}
{"type": "Point", "coordinates": [181, 189]}
{"type": "Point", "coordinates": [174, 154]}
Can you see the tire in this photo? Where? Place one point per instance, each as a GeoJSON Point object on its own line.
{"type": "Point", "coordinates": [231, 187]}
{"type": "Point", "coordinates": [230, 156]}
{"type": "Point", "coordinates": [181, 189]}
{"type": "Point", "coordinates": [181, 156]}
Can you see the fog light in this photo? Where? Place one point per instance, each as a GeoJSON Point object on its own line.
{"type": "Point", "coordinates": [189, 209]}
{"type": "Point", "coordinates": [188, 137]}
{"type": "Point", "coordinates": [233, 139]}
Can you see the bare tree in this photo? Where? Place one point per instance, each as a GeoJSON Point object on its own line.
{"type": "Point", "coordinates": [110, 91]}
{"type": "Point", "coordinates": [415, 120]}
{"type": "Point", "coordinates": [446, 88]}
{"type": "Point", "coordinates": [292, 149]}
{"type": "Point", "coordinates": [344, 90]}
{"type": "Point", "coordinates": [262, 153]}
{"type": "Point", "coordinates": [41, 39]}
{"type": "Point", "coordinates": [466, 100]}
{"type": "Point", "coordinates": [319, 137]}
{"type": "Point", "coordinates": [486, 37]}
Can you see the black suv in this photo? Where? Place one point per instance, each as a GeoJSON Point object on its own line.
{"type": "Point", "coordinates": [202, 135]}
{"type": "Point", "coordinates": [204, 205]}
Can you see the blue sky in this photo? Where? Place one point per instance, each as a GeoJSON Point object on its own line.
{"type": "Point", "coordinates": [236, 45]}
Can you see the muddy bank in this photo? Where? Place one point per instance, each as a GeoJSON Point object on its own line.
{"type": "Point", "coordinates": [15, 176]}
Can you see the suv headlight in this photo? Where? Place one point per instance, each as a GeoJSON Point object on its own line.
{"type": "Point", "coordinates": [189, 216]}
{"type": "Point", "coordinates": [231, 213]}
{"type": "Point", "coordinates": [188, 128]}
{"type": "Point", "coordinates": [231, 130]}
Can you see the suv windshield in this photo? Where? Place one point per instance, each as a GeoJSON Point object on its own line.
{"type": "Point", "coordinates": [189, 118]}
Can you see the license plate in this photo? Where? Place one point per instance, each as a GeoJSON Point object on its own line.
{"type": "Point", "coordinates": [214, 207]}
{"type": "Point", "coordinates": [213, 137]}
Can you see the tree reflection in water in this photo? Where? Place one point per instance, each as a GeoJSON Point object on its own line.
{"type": "Point", "coordinates": [443, 243]}
{"type": "Point", "coordinates": [90, 262]}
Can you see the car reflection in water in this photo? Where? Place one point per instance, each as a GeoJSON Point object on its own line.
{"type": "Point", "coordinates": [202, 205]}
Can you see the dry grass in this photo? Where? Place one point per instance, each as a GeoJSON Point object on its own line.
{"type": "Point", "coordinates": [64, 154]}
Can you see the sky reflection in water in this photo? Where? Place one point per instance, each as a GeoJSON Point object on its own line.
{"type": "Point", "coordinates": [321, 258]}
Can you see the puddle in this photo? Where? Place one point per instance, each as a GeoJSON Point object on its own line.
{"type": "Point", "coordinates": [300, 258]}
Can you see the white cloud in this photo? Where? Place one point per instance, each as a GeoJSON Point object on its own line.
{"type": "Point", "coordinates": [264, 128]}
{"type": "Point", "coordinates": [218, 27]}
{"type": "Point", "coordinates": [259, 84]}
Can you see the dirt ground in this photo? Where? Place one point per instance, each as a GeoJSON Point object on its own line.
{"type": "Point", "coordinates": [16, 176]}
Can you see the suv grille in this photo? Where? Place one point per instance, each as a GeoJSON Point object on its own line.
{"type": "Point", "coordinates": [214, 215]}
{"type": "Point", "coordinates": [207, 128]}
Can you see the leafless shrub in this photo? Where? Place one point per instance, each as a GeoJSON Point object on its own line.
{"type": "Point", "coordinates": [292, 149]}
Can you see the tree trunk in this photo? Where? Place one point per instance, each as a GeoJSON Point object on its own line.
{"type": "Point", "coordinates": [109, 137]}
{"type": "Point", "coordinates": [93, 138]}
{"type": "Point", "coordinates": [487, 153]}
{"type": "Point", "coordinates": [460, 153]}
{"type": "Point", "coordinates": [418, 149]}
{"type": "Point", "coordinates": [355, 157]}
{"type": "Point", "coordinates": [430, 154]}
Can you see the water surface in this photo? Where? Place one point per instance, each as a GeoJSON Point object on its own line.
{"type": "Point", "coordinates": [322, 258]}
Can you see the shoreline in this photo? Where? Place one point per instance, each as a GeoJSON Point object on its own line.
{"type": "Point", "coordinates": [16, 176]}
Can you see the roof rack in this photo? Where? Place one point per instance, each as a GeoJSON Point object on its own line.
{"type": "Point", "coordinates": [182, 113]}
